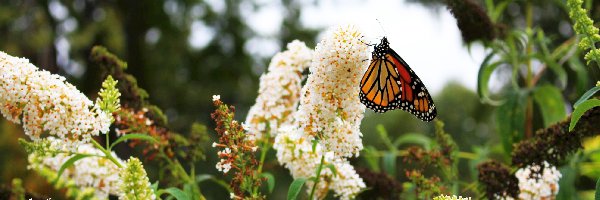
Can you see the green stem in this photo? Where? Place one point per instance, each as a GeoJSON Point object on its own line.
{"type": "Point", "coordinates": [180, 171]}
{"type": "Point", "coordinates": [263, 154]}
{"type": "Point", "coordinates": [107, 141]}
{"type": "Point", "coordinates": [107, 153]}
{"type": "Point", "coordinates": [312, 192]}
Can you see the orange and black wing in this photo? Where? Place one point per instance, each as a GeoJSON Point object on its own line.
{"type": "Point", "coordinates": [379, 87]}
{"type": "Point", "coordinates": [390, 84]}
{"type": "Point", "coordinates": [414, 97]}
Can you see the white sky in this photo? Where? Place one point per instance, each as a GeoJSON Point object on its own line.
{"type": "Point", "coordinates": [429, 42]}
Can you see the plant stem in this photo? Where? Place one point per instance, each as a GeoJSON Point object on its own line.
{"type": "Point", "coordinates": [107, 141]}
{"type": "Point", "coordinates": [107, 154]}
{"type": "Point", "coordinates": [263, 154]}
{"type": "Point", "coordinates": [180, 171]}
{"type": "Point", "coordinates": [312, 192]}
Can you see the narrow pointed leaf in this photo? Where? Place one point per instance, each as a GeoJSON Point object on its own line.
{"type": "Point", "coordinates": [587, 95]}
{"type": "Point", "coordinates": [510, 119]}
{"type": "Point", "coordinates": [270, 180]}
{"type": "Point", "coordinates": [581, 109]}
{"type": "Point", "coordinates": [389, 163]}
{"type": "Point", "coordinates": [135, 136]}
{"type": "Point", "coordinates": [68, 164]}
{"type": "Point", "coordinates": [295, 188]}
{"type": "Point", "coordinates": [177, 193]}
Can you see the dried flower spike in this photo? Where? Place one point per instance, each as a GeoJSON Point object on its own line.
{"type": "Point", "coordinates": [237, 152]}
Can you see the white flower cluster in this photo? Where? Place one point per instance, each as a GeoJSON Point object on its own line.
{"type": "Point", "coordinates": [535, 183]}
{"type": "Point", "coordinates": [44, 102]}
{"type": "Point", "coordinates": [279, 90]}
{"type": "Point", "coordinates": [297, 154]}
{"type": "Point", "coordinates": [330, 113]}
{"type": "Point", "coordinates": [97, 172]}
{"type": "Point", "coordinates": [330, 107]}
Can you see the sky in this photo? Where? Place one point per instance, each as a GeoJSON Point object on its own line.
{"type": "Point", "coordinates": [428, 41]}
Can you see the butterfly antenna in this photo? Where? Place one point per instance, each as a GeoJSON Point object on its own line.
{"type": "Point", "coordinates": [368, 44]}
{"type": "Point", "coordinates": [381, 26]}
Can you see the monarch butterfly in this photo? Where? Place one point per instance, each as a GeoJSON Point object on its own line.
{"type": "Point", "coordinates": [390, 84]}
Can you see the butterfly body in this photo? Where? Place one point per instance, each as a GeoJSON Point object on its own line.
{"type": "Point", "coordinates": [389, 84]}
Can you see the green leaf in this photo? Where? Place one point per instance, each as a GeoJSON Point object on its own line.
{"type": "Point", "coordinates": [68, 164]}
{"type": "Point", "coordinates": [550, 101]}
{"type": "Point", "coordinates": [510, 119]}
{"type": "Point", "coordinates": [203, 177]}
{"type": "Point", "coordinates": [567, 188]}
{"type": "Point", "coordinates": [597, 195]}
{"type": "Point", "coordinates": [389, 163]}
{"type": "Point", "coordinates": [332, 168]}
{"type": "Point", "coordinates": [413, 138]}
{"type": "Point", "coordinates": [154, 188]}
{"type": "Point", "coordinates": [547, 58]}
{"type": "Point", "coordinates": [483, 78]}
{"type": "Point", "coordinates": [295, 188]}
{"type": "Point", "coordinates": [587, 95]}
{"type": "Point", "coordinates": [499, 10]}
{"type": "Point", "coordinates": [133, 136]}
{"type": "Point", "coordinates": [381, 130]}
{"type": "Point", "coordinates": [372, 158]}
{"type": "Point", "coordinates": [581, 109]}
{"type": "Point", "coordinates": [384, 137]}
{"type": "Point", "coordinates": [270, 180]}
{"type": "Point", "coordinates": [177, 193]}
{"type": "Point", "coordinates": [187, 188]}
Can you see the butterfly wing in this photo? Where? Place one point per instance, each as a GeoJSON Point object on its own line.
{"type": "Point", "coordinates": [413, 97]}
{"type": "Point", "coordinates": [379, 86]}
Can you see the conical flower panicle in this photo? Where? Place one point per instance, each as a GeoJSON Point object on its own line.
{"type": "Point", "coordinates": [46, 103]}
{"type": "Point", "coordinates": [134, 181]}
